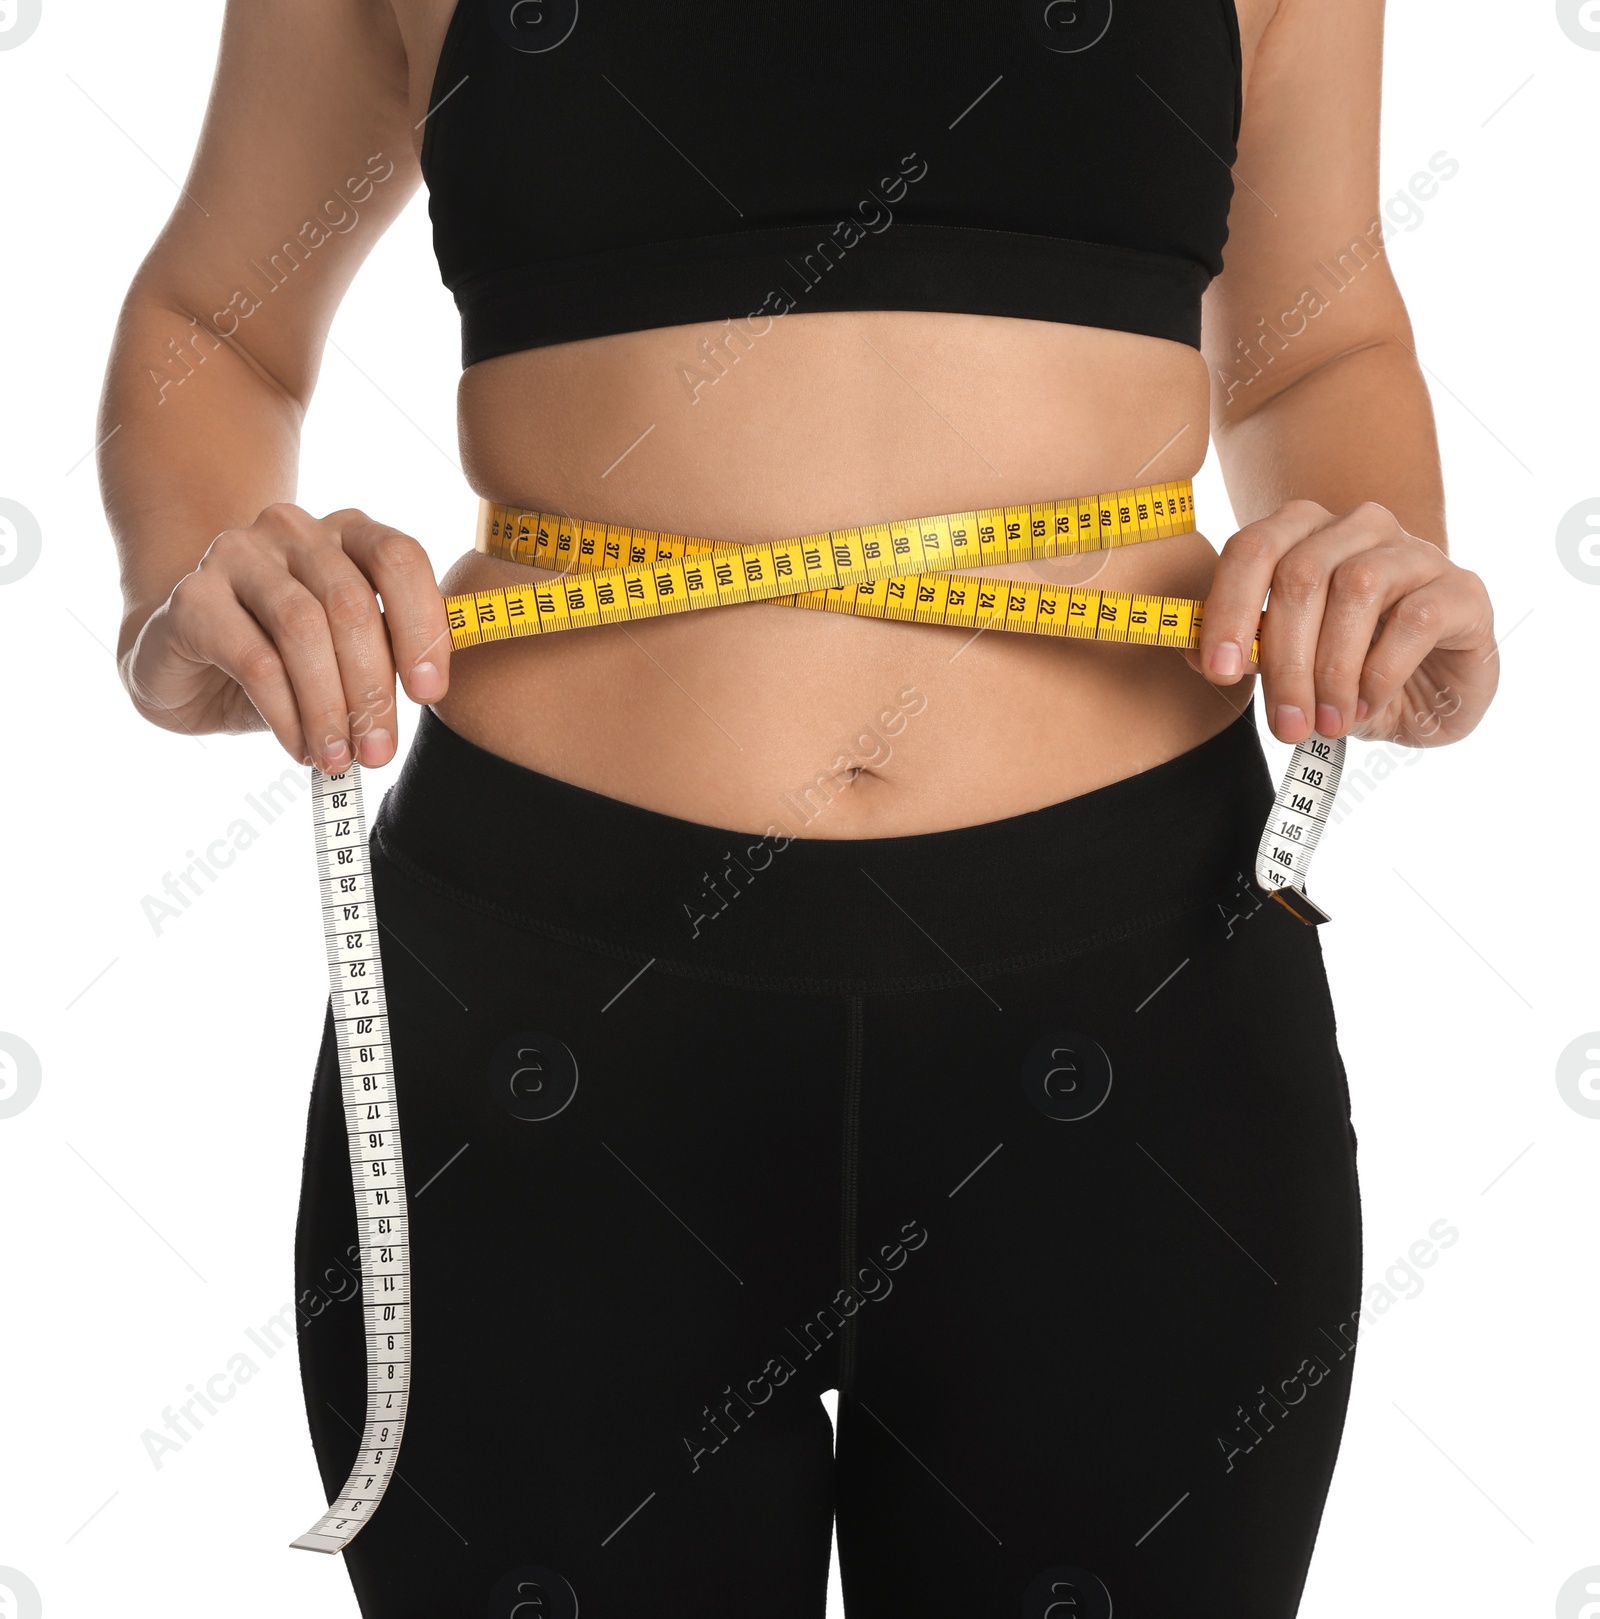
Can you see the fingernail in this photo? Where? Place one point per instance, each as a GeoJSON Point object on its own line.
{"type": "Point", "coordinates": [1286, 717]}
{"type": "Point", "coordinates": [1362, 710]}
{"type": "Point", "coordinates": [1227, 660]}
{"type": "Point", "coordinates": [337, 752]}
{"type": "Point", "coordinates": [425, 679]}
{"type": "Point", "coordinates": [373, 744]}
{"type": "Point", "coordinates": [1329, 720]}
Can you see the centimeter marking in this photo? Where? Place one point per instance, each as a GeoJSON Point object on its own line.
{"type": "Point", "coordinates": [970, 539]}
{"type": "Point", "coordinates": [840, 571]}
{"type": "Point", "coordinates": [1299, 813]}
{"type": "Point", "coordinates": [377, 1170]}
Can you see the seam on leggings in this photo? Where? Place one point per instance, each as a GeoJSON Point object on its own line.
{"type": "Point", "coordinates": [851, 1183]}
{"type": "Point", "coordinates": [799, 984]}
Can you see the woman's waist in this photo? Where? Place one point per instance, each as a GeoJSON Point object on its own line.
{"type": "Point", "coordinates": [835, 726]}
{"type": "Point", "coordinates": [721, 715]}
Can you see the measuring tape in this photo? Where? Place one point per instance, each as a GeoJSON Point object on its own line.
{"type": "Point", "coordinates": [886, 570]}
{"type": "Point", "coordinates": [366, 1073]}
{"type": "Point", "coordinates": [613, 575]}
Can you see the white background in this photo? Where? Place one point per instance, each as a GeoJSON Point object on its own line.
{"type": "Point", "coordinates": [147, 1196]}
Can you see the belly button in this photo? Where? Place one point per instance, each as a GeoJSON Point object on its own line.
{"type": "Point", "coordinates": [857, 772]}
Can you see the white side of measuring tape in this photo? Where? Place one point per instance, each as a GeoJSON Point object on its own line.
{"type": "Point", "coordinates": [1299, 813]}
{"type": "Point", "coordinates": [377, 1171]}
{"type": "Point", "coordinates": [366, 1071]}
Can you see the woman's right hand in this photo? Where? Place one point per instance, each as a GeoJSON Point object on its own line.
{"type": "Point", "coordinates": [279, 626]}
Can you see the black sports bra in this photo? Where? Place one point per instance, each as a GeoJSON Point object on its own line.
{"type": "Point", "coordinates": [598, 166]}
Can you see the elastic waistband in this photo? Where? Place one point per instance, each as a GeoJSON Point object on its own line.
{"type": "Point", "coordinates": [821, 914]}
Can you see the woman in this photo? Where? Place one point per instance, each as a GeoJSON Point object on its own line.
{"type": "Point", "coordinates": [782, 1000]}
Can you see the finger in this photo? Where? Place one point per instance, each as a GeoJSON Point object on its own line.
{"type": "Point", "coordinates": [413, 608]}
{"type": "Point", "coordinates": [360, 643]}
{"type": "Point", "coordinates": [1419, 623]}
{"type": "Point", "coordinates": [211, 627]}
{"type": "Point", "coordinates": [1239, 586]}
{"type": "Point", "coordinates": [297, 626]}
{"type": "Point", "coordinates": [1297, 607]}
{"type": "Point", "coordinates": [1361, 589]}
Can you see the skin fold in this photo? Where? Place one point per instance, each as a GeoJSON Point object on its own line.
{"type": "Point", "coordinates": [244, 611]}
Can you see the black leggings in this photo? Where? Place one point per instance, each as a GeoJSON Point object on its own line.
{"type": "Point", "coordinates": [1031, 1138]}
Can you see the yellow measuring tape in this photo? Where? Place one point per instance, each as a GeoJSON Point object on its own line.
{"type": "Point", "coordinates": [900, 570]}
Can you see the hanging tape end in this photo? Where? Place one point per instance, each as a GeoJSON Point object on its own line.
{"type": "Point", "coordinates": [1301, 906]}
{"type": "Point", "coordinates": [313, 1542]}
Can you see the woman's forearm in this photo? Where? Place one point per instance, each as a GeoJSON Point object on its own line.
{"type": "Point", "coordinates": [240, 610]}
{"type": "Point", "coordinates": [196, 439]}
{"type": "Point", "coordinates": [1357, 428]}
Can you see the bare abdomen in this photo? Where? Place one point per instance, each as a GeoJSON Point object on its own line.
{"type": "Point", "coordinates": [836, 726]}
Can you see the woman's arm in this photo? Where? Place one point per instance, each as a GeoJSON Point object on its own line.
{"type": "Point", "coordinates": [1320, 408]}
{"type": "Point", "coordinates": [239, 605]}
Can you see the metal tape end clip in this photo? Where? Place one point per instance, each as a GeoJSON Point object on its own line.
{"type": "Point", "coordinates": [1301, 906]}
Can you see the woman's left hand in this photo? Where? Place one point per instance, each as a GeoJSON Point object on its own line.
{"type": "Point", "coordinates": [1371, 632]}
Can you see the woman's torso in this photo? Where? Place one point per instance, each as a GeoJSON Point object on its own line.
{"type": "Point", "coordinates": [733, 717]}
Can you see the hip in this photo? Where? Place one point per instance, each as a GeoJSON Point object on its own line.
{"type": "Point", "coordinates": [1031, 964]}
{"type": "Point", "coordinates": [1120, 926]}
